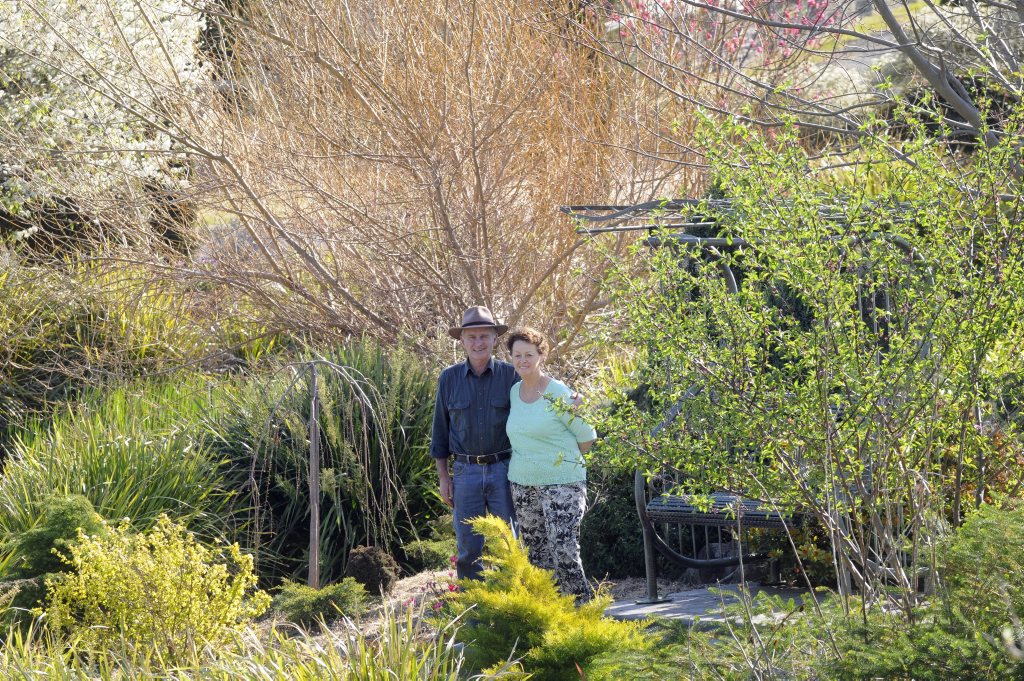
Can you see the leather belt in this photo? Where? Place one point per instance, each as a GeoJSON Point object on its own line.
{"type": "Point", "coordinates": [483, 458]}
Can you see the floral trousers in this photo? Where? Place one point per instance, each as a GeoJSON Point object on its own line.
{"type": "Point", "coordinates": [549, 526]}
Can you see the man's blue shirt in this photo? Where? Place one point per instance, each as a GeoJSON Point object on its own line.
{"type": "Point", "coordinates": [470, 411]}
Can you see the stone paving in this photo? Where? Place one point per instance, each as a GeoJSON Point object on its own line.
{"type": "Point", "coordinates": [697, 607]}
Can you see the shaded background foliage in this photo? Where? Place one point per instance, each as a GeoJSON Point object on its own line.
{"type": "Point", "coordinates": [377, 480]}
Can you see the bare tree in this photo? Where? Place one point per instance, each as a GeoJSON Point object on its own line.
{"type": "Point", "coordinates": [824, 63]}
{"type": "Point", "coordinates": [391, 164]}
{"type": "Point", "coordinates": [380, 166]}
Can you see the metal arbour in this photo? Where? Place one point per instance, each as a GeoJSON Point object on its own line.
{"type": "Point", "coordinates": [671, 223]}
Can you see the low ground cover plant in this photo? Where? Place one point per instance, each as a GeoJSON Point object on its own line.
{"type": "Point", "coordinates": [160, 591]}
{"type": "Point", "coordinates": [435, 553]}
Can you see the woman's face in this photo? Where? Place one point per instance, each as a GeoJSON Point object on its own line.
{"type": "Point", "coordinates": [526, 359]}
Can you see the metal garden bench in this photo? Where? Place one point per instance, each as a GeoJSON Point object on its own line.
{"type": "Point", "coordinates": [726, 511]}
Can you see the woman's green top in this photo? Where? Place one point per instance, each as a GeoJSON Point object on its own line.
{"type": "Point", "coordinates": [545, 436]}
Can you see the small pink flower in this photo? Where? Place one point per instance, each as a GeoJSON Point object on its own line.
{"type": "Point", "coordinates": [437, 606]}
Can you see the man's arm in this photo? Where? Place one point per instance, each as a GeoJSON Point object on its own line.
{"type": "Point", "coordinates": [439, 444]}
{"type": "Point", "coordinates": [445, 479]}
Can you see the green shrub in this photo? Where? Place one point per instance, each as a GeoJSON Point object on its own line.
{"type": "Point", "coordinates": [44, 548]}
{"type": "Point", "coordinates": [35, 555]}
{"type": "Point", "coordinates": [437, 552]}
{"type": "Point", "coordinates": [430, 554]}
{"type": "Point", "coordinates": [372, 567]}
{"type": "Point", "coordinates": [517, 611]}
{"type": "Point", "coordinates": [305, 605]}
{"type": "Point", "coordinates": [981, 565]}
{"type": "Point", "coordinates": [959, 633]}
{"type": "Point", "coordinates": [611, 541]}
{"type": "Point", "coordinates": [159, 591]}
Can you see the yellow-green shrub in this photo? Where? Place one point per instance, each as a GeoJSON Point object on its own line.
{"type": "Point", "coordinates": [517, 610]}
{"type": "Point", "coordinates": [160, 590]}
{"type": "Point", "coordinates": [305, 605]}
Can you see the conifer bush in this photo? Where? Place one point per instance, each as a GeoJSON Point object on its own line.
{"type": "Point", "coordinates": [42, 552]}
{"type": "Point", "coordinates": [305, 605]}
{"type": "Point", "coordinates": [45, 547]}
{"type": "Point", "coordinates": [516, 610]}
{"type": "Point", "coordinates": [160, 591]}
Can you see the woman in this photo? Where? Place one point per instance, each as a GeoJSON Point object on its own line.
{"type": "Point", "coordinates": [547, 472]}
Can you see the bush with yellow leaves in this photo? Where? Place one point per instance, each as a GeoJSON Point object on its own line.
{"type": "Point", "coordinates": [160, 593]}
{"type": "Point", "coordinates": [516, 611]}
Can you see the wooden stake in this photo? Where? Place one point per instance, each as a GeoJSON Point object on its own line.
{"type": "Point", "coordinates": [314, 481]}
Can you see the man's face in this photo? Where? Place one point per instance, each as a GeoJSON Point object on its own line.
{"type": "Point", "coordinates": [479, 343]}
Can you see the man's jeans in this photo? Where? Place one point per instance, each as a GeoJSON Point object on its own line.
{"type": "Point", "coordinates": [480, 488]}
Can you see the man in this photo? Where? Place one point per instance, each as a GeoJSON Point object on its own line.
{"type": "Point", "coordinates": [470, 412]}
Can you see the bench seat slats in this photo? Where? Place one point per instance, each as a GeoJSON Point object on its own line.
{"type": "Point", "coordinates": [722, 513]}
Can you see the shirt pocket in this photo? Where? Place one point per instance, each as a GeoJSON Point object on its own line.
{"type": "Point", "coordinates": [458, 415]}
{"type": "Point", "coordinates": [500, 407]}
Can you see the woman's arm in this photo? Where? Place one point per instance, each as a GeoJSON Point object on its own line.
{"type": "Point", "coordinates": [582, 431]}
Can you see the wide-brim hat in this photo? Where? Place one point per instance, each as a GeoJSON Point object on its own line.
{"type": "Point", "coordinates": [478, 317]}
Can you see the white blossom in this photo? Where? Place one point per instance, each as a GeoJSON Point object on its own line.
{"type": "Point", "coordinates": [78, 81]}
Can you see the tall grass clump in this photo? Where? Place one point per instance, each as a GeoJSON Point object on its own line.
{"type": "Point", "coordinates": [376, 477]}
{"type": "Point", "coordinates": [400, 649]}
{"type": "Point", "coordinates": [67, 327]}
{"type": "Point", "coordinates": [134, 452]}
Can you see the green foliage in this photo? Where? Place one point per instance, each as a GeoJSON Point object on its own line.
{"type": "Point", "coordinates": [875, 327]}
{"type": "Point", "coordinates": [134, 452]}
{"type": "Point", "coordinates": [160, 591]}
{"type": "Point", "coordinates": [980, 565]}
{"type": "Point", "coordinates": [378, 485]}
{"type": "Point", "coordinates": [66, 328]}
{"type": "Point", "coordinates": [437, 552]}
{"type": "Point", "coordinates": [44, 548]}
{"type": "Point", "coordinates": [305, 605]}
{"type": "Point", "coordinates": [430, 554]}
{"type": "Point", "coordinates": [517, 611]}
{"type": "Point", "coordinates": [611, 542]}
{"type": "Point", "coordinates": [372, 567]}
{"type": "Point", "coordinates": [965, 630]}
